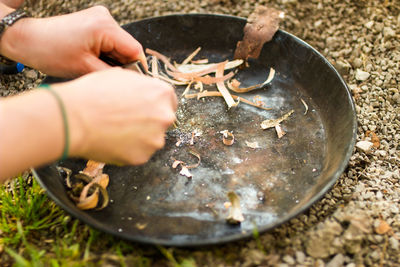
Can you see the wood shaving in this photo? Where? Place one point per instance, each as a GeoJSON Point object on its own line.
{"type": "Point", "coordinates": [187, 89]}
{"type": "Point", "coordinates": [186, 74]}
{"type": "Point", "coordinates": [273, 122]}
{"type": "Point", "coordinates": [203, 69]}
{"type": "Point", "coordinates": [141, 226]}
{"type": "Point", "coordinates": [191, 56]}
{"type": "Point", "coordinates": [163, 58]}
{"type": "Point", "coordinates": [178, 143]}
{"type": "Point", "coordinates": [227, 137]}
{"type": "Point", "coordinates": [176, 163]}
{"type": "Point", "coordinates": [253, 145]}
{"type": "Point", "coordinates": [185, 168]}
{"type": "Point", "coordinates": [154, 67]}
{"type": "Point", "coordinates": [96, 182]}
{"type": "Point", "coordinates": [93, 168]}
{"type": "Point", "coordinates": [211, 80]}
{"type": "Point", "coordinates": [234, 84]}
{"type": "Point", "coordinates": [235, 212]}
{"type": "Point", "coordinates": [199, 86]}
{"type": "Point", "coordinates": [200, 61]}
{"type": "Point", "coordinates": [257, 101]}
{"type": "Point", "coordinates": [279, 131]}
{"type": "Point", "coordinates": [260, 28]}
{"type": "Point", "coordinates": [89, 202]}
{"type": "Point", "coordinates": [213, 93]}
{"type": "Point", "coordinates": [197, 155]}
{"type": "Point", "coordinates": [223, 90]}
{"type": "Point", "coordinates": [305, 106]}
{"type": "Point", "coordinates": [185, 172]}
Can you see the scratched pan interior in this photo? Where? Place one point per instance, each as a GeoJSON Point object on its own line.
{"type": "Point", "coordinates": [154, 204]}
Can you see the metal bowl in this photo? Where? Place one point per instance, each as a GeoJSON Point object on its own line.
{"type": "Point", "coordinates": [154, 204]}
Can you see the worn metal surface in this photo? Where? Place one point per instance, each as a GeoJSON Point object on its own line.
{"type": "Point", "coordinates": [153, 203]}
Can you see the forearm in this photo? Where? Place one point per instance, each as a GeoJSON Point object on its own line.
{"type": "Point", "coordinates": [31, 132]}
{"type": "Point", "coordinates": [32, 129]}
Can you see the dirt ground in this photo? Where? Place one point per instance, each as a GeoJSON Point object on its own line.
{"type": "Point", "coordinates": [357, 223]}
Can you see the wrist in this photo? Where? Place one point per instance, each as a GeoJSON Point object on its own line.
{"type": "Point", "coordinates": [76, 132]}
{"type": "Point", "coordinates": [13, 38]}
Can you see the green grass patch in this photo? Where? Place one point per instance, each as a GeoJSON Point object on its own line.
{"type": "Point", "coordinates": [23, 201]}
{"type": "Point", "coordinates": [35, 232]}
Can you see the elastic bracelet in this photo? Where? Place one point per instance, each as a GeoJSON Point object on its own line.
{"type": "Point", "coordinates": [64, 116]}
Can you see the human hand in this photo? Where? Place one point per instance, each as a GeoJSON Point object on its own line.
{"type": "Point", "coordinates": [117, 115]}
{"type": "Point", "coordinates": [69, 45]}
{"type": "Point", "coordinates": [12, 3]}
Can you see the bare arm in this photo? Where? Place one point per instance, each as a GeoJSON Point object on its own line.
{"type": "Point", "coordinates": [31, 132]}
{"type": "Point", "coordinates": [110, 119]}
{"type": "Point", "coordinates": [114, 115]}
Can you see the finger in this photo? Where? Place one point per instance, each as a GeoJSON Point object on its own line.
{"type": "Point", "coordinates": [125, 47]}
{"type": "Point", "coordinates": [95, 64]}
{"type": "Point", "coordinates": [143, 60]}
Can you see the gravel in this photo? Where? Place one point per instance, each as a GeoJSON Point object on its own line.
{"type": "Point", "coordinates": [361, 38]}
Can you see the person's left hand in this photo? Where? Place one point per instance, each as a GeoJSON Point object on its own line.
{"type": "Point", "coordinates": [70, 45]}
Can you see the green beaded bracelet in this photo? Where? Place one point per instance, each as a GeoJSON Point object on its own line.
{"type": "Point", "coordinates": [64, 116]}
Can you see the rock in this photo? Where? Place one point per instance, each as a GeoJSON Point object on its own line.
{"type": "Point", "coordinates": [378, 27]}
{"type": "Point", "coordinates": [254, 257]}
{"type": "Point", "coordinates": [342, 67]}
{"type": "Point", "coordinates": [319, 263]}
{"type": "Point", "coordinates": [337, 261]}
{"type": "Point", "coordinates": [357, 62]}
{"type": "Point", "coordinates": [396, 98]}
{"type": "Point", "coordinates": [361, 75]}
{"type": "Point", "coordinates": [319, 243]}
{"type": "Point", "coordinates": [300, 257]}
{"type": "Point", "coordinates": [369, 24]}
{"type": "Point", "coordinates": [394, 243]}
{"type": "Point", "coordinates": [331, 42]}
{"type": "Point", "coordinates": [364, 146]}
{"type": "Point", "coordinates": [289, 259]}
{"type": "Point", "coordinates": [381, 153]}
{"type": "Point", "coordinates": [388, 32]}
{"type": "Point", "coordinates": [31, 74]}
{"type": "Point", "coordinates": [376, 255]}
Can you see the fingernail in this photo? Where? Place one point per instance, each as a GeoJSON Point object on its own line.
{"type": "Point", "coordinates": [143, 60]}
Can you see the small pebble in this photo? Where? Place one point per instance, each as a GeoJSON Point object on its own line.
{"type": "Point", "coordinates": [361, 75]}
{"type": "Point", "coordinates": [300, 257]}
{"type": "Point", "coordinates": [289, 259]}
{"type": "Point", "coordinates": [31, 74]}
{"type": "Point", "coordinates": [365, 146]}
{"type": "Point", "coordinates": [394, 243]}
{"type": "Point", "coordinates": [337, 261]}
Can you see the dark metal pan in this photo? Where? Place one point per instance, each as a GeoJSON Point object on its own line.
{"type": "Point", "coordinates": [154, 204]}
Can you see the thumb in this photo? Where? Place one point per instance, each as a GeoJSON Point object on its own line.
{"type": "Point", "coordinates": [93, 63]}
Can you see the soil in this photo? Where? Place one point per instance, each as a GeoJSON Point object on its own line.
{"type": "Point", "coordinates": [349, 226]}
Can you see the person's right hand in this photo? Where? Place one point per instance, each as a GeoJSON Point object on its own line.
{"type": "Point", "coordinates": [117, 116]}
